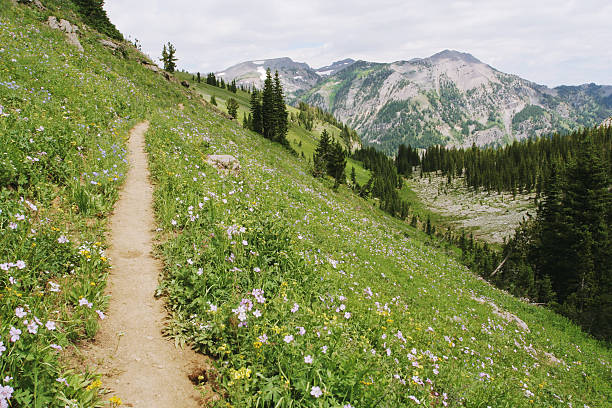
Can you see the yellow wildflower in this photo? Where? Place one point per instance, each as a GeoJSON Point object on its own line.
{"type": "Point", "coordinates": [115, 401]}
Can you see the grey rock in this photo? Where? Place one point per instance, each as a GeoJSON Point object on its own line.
{"type": "Point", "coordinates": [507, 316]}
{"type": "Point", "coordinates": [185, 84]}
{"type": "Point", "coordinates": [36, 3]}
{"type": "Point", "coordinates": [150, 66]}
{"type": "Point", "coordinates": [224, 163]}
{"type": "Point", "coordinates": [109, 44]}
{"type": "Point", "coordinates": [71, 30]}
{"type": "Point", "coordinates": [452, 98]}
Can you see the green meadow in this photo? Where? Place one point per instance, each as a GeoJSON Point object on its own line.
{"type": "Point", "coordinates": [304, 296]}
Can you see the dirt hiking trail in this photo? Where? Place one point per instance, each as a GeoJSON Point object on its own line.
{"type": "Point", "coordinates": [137, 364]}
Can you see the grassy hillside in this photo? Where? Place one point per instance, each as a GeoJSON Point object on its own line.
{"type": "Point", "coordinates": [356, 303]}
{"type": "Point", "coordinates": [305, 296]}
{"type": "Point", "coordinates": [302, 140]}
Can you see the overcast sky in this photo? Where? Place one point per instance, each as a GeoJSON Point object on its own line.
{"type": "Point", "coordinates": [548, 42]}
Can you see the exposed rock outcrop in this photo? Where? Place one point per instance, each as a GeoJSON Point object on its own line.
{"type": "Point", "coordinates": [509, 317]}
{"type": "Point", "coordinates": [109, 44]}
{"type": "Point", "coordinates": [151, 66]}
{"type": "Point", "coordinates": [71, 30]}
{"type": "Point", "coordinates": [224, 163]}
{"type": "Point", "coordinates": [36, 3]}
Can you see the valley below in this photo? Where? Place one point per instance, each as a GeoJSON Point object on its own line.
{"type": "Point", "coordinates": [489, 216]}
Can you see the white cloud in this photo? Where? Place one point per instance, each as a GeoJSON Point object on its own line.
{"type": "Point", "coordinates": [549, 42]}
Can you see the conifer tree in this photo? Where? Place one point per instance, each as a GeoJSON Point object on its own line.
{"type": "Point", "coordinates": [168, 57]}
{"type": "Point", "coordinates": [232, 108]}
{"type": "Point", "coordinates": [280, 112]}
{"type": "Point", "coordinates": [93, 13]}
{"type": "Point", "coordinates": [164, 55]}
{"type": "Point", "coordinates": [268, 108]}
{"type": "Point", "coordinates": [321, 155]}
{"type": "Point", "coordinates": [336, 163]}
{"type": "Point", "coordinates": [198, 77]}
{"type": "Point", "coordinates": [256, 112]}
{"type": "Point", "coordinates": [587, 206]}
{"type": "Point", "coordinates": [213, 100]}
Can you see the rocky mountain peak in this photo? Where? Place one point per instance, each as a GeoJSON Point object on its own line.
{"type": "Point", "coordinates": [335, 67]}
{"type": "Point", "coordinates": [454, 55]}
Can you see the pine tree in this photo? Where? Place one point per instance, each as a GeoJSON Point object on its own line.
{"type": "Point", "coordinates": [256, 112]}
{"type": "Point", "coordinates": [213, 100]}
{"type": "Point", "coordinates": [280, 112]}
{"type": "Point", "coordinates": [268, 108]}
{"type": "Point", "coordinates": [336, 163]}
{"type": "Point", "coordinates": [232, 108]}
{"type": "Point", "coordinates": [321, 155]}
{"type": "Point", "coordinates": [587, 204]}
{"type": "Point", "coordinates": [164, 55]}
{"type": "Point", "coordinates": [353, 176]}
{"type": "Point", "coordinates": [93, 13]}
{"type": "Point", "coordinates": [198, 77]}
{"type": "Point", "coordinates": [168, 57]}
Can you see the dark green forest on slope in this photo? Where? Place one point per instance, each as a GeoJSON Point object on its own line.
{"type": "Point", "coordinates": [562, 257]}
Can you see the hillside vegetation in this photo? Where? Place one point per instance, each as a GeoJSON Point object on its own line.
{"type": "Point", "coordinates": [305, 295]}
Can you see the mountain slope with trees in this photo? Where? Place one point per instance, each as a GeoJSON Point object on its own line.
{"type": "Point", "coordinates": [450, 98]}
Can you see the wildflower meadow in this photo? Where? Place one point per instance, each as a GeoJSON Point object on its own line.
{"type": "Point", "coordinates": [303, 295]}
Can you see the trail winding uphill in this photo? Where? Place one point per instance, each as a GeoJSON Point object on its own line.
{"type": "Point", "coordinates": [137, 363]}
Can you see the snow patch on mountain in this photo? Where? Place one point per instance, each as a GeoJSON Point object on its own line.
{"type": "Point", "coordinates": [262, 73]}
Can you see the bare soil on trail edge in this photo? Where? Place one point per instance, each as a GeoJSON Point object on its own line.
{"type": "Point", "coordinates": [137, 363]}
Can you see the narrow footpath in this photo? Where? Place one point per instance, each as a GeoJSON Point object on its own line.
{"type": "Point", "coordinates": [137, 363]}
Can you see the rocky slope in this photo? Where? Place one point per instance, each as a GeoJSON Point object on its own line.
{"type": "Point", "coordinates": [296, 77]}
{"type": "Point", "coordinates": [449, 98]}
{"type": "Point", "coordinates": [453, 98]}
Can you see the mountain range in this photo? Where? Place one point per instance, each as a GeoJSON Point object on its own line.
{"type": "Point", "coordinates": [450, 98]}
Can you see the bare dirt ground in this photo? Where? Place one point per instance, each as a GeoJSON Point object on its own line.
{"type": "Point", "coordinates": [490, 216]}
{"type": "Point", "coordinates": [137, 363]}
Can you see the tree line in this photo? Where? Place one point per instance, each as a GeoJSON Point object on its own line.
{"type": "Point", "coordinates": [562, 256]}
{"type": "Point", "coordinates": [519, 167]}
{"type": "Point", "coordinates": [211, 79]}
{"type": "Point", "coordinates": [405, 160]}
{"type": "Point", "coordinates": [330, 158]}
{"type": "Point", "coordinates": [308, 114]}
{"type": "Point", "coordinates": [268, 112]}
{"type": "Point", "coordinates": [384, 182]}
{"type": "Point", "coordinates": [93, 13]}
